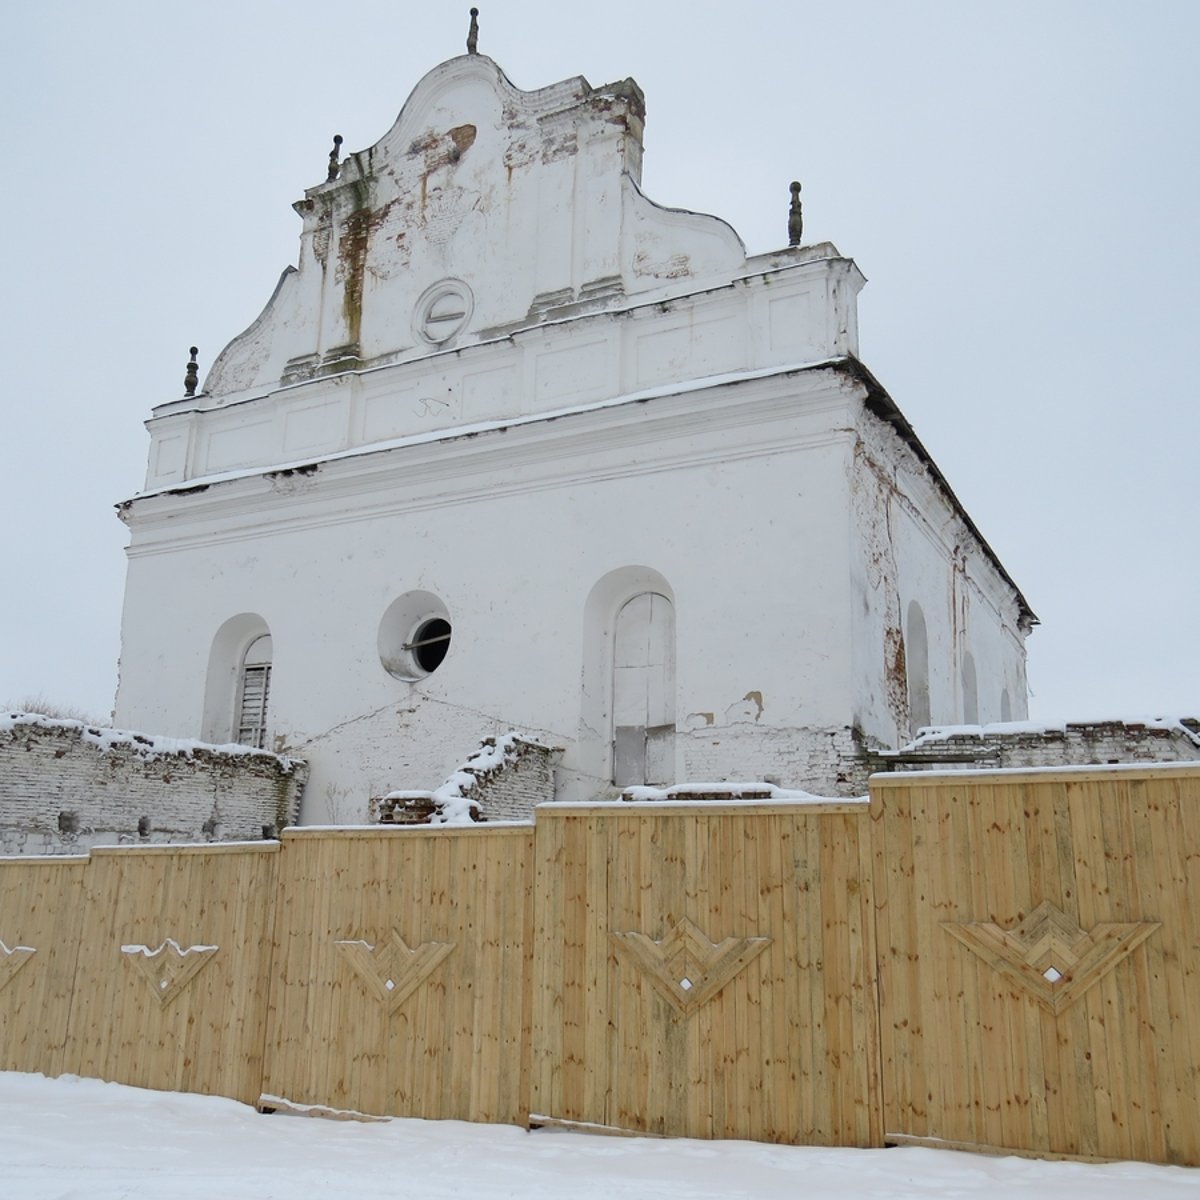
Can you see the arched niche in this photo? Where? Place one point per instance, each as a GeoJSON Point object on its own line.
{"type": "Point", "coordinates": [916, 661]}
{"type": "Point", "coordinates": [970, 690]}
{"type": "Point", "coordinates": [627, 708]}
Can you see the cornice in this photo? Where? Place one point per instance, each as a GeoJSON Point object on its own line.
{"type": "Point", "coordinates": [682, 430]}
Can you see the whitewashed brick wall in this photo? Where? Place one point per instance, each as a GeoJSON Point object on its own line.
{"type": "Point", "coordinates": [66, 786]}
{"type": "Point", "coordinates": [825, 762]}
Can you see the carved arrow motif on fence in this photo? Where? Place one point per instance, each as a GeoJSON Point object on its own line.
{"type": "Point", "coordinates": [11, 961]}
{"type": "Point", "coordinates": [685, 967]}
{"type": "Point", "coordinates": [170, 968]}
{"type": "Point", "coordinates": [1049, 954]}
{"type": "Point", "coordinates": [391, 970]}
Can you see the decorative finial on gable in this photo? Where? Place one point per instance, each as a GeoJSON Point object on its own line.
{"type": "Point", "coordinates": [193, 374]}
{"type": "Point", "coordinates": [334, 166]}
{"type": "Point", "coordinates": [795, 217]}
{"type": "Point", "coordinates": [473, 33]}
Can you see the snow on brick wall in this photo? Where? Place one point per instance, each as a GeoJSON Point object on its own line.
{"type": "Point", "coordinates": [1027, 744]}
{"type": "Point", "coordinates": [66, 786]}
{"type": "Point", "coordinates": [827, 762]}
{"type": "Point", "coordinates": [502, 781]}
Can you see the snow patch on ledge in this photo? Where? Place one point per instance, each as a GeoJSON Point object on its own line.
{"type": "Point", "coordinates": [933, 734]}
{"type": "Point", "coordinates": [170, 944]}
{"type": "Point", "coordinates": [144, 745]}
{"type": "Point", "coordinates": [751, 793]}
{"type": "Point", "coordinates": [453, 800]}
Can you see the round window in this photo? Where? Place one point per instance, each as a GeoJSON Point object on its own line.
{"type": "Point", "coordinates": [414, 636]}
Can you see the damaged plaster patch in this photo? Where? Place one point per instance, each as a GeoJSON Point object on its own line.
{"type": "Point", "coordinates": [748, 708]}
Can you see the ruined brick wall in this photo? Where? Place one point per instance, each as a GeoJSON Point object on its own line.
{"type": "Point", "coordinates": [502, 781]}
{"type": "Point", "coordinates": [825, 762]}
{"type": "Point", "coordinates": [1082, 743]}
{"type": "Point", "coordinates": [66, 786]}
{"type": "Point", "coordinates": [510, 791]}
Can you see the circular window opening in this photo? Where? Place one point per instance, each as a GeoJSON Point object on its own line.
{"type": "Point", "coordinates": [430, 643]}
{"type": "Point", "coordinates": [414, 636]}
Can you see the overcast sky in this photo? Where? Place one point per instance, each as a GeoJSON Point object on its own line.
{"type": "Point", "coordinates": [1017, 180]}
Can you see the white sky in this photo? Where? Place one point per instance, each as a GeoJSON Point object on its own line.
{"type": "Point", "coordinates": [1018, 181]}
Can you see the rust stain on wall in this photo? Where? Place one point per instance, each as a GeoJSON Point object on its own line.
{"type": "Point", "coordinates": [354, 239]}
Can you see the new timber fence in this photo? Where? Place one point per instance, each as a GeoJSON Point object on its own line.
{"type": "Point", "coordinates": [1006, 960]}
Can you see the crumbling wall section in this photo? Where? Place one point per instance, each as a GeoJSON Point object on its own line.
{"type": "Point", "coordinates": [1027, 744]}
{"type": "Point", "coordinates": [66, 786]}
{"type": "Point", "coordinates": [825, 762]}
{"type": "Point", "coordinates": [502, 781]}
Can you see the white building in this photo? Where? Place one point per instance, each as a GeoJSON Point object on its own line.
{"type": "Point", "coordinates": [515, 448]}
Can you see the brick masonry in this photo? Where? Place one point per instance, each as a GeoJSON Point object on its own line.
{"type": "Point", "coordinates": [502, 781]}
{"type": "Point", "coordinates": [1020, 744]}
{"type": "Point", "coordinates": [824, 762]}
{"type": "Point", "coordinates": [66, 786]}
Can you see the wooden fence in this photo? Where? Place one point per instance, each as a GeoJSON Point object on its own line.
{"type": "Point", "coordinates": [707, 972]}
{"type": "Point", "coordinates": [1040, 965]}
{"type": "Point", "coordinates": [1006, 960]}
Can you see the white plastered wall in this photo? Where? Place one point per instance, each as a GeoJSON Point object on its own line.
{"type": "Point", "coordinates": [512, 536]}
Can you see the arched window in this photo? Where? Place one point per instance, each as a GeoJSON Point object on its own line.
{"type": "Point", "coordinates": [916, 661]}
{"type": "Point", "coordinates": [1005, 706]}
{"type": "Point", "coordinates": [254, 689]}
{"type": "Point", "coordinates": [238, 686]}
{"type": "Point", "coordinates": [643, 686]}
{"type": "Point", "coordinates": [970, 690]}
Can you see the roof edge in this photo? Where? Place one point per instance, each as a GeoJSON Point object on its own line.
{"type": "Point", "coordinates": [881, 404]}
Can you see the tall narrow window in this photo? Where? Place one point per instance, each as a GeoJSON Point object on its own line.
{"type": "Point", "coordinates": [916, 659]}
{"type": "Point", "coordinates": [970, 688]}
{"type": "Point", "coordinates": [254, 692]}
{"type": "Point", "coordinates": [1005, 706]}
{"type": "Point", "coordinates": [644, 692]}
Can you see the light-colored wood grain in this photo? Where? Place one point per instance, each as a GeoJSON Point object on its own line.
{"type": "Point", "coordinates": [1095, 870]}
{"type": "Point", "coordinates": [452, 1043]}
{"type": "Point", "coordinates": [896, 987]}
{"type": "Point", "coordinates": [40, 910]}
{"type": "Point", "coordinates": [742, 1061]}
{"type": "Point", "coordinates": [203, 1032]}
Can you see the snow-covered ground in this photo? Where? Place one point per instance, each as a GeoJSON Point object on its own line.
{"type": "Point", "coordinates": [71, 1139]}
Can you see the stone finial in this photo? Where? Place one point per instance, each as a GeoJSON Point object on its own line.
{"type": "Point", "coordinates": [334, 166]}
{"type": "Point", "coordinates": [193, 374]}
{"type": "Point", "coordinates": [473, 33]}
{"type": "Point", "coordinates": [795, 217]}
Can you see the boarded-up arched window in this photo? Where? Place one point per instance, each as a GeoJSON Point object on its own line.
{"type": "Point", "coordinates": [644, 692]}
{"type": "Point", "coordinates": [970, 690]}
{"type": "Point", "coordinates": [916, 659]}
{"type": "Point", "coordinates": [254, 689]}
{"type": "Point", "coordinates": [238, 685]}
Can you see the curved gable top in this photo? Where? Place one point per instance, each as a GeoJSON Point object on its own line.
{"type": "Point", "coordinates": [483, 208]}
